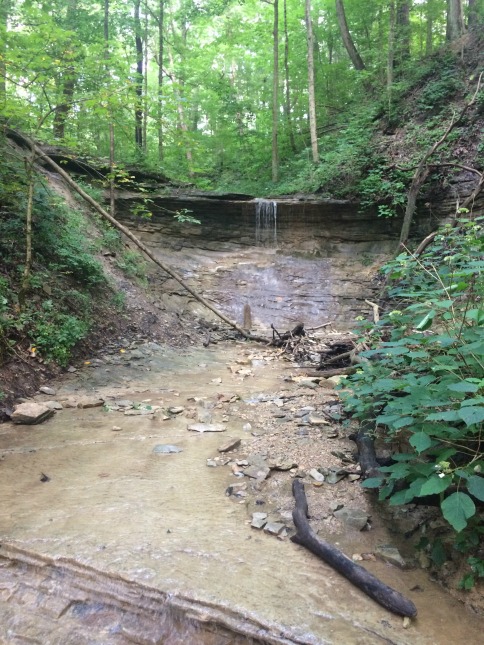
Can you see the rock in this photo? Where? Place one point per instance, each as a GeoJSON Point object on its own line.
{"type": "Point", "coordinates": [70, 403]}
{"type": "Point", "coordinates": [31, 413]}
{"type": "Point", "coordinates": [353, 517]}
{"type": "Point", "coordinates": [257, 472]}
{"type": "Point", "coordinates": [336, 380]}
{"type": "Point", "coordinates": [124, 403]}
{"type": "Point", "coordinates": [229, 445]}
{"type": "Point", "coordinates": [216, 381]}
{"type": "Point", "coordinates": [392, 555]}
{"type": "Point", "coordinates": [274, 528]}
{"type": "Point", "coordinates": [317, 421]}
{"type": "Point", "coordinates": [353, 477]}
{"type": "Point", "coordinates": [90, 402]}
{"type": "Point", "coordinates": [165, 449]}
{"type": "Point", "coordinates": [116, 428]}
{"type": "Point", "coordinates": [235, 489]}
{"type": "Point", "coordinates": [140, 412]}
{"type": "Point", "coordinates": [316, 475]}
{"type": "Point", "coordinates": [246, 427]}
{"type": "Point", "coordinates": [206, 427]}
{"type": "Point", "coordinates": [177, 409]}
{"type": "Point", "coordinates": [204, 416]}
{"type": "Point", "coordinates": [280, 463]}
{"type": "Point", "coordinates": [312, 385]}
{"type": "Point", "coordinates": [47, 390]}
{"type": "Point", "coordinates": [335, 506]}
{"type": "Point", "coordinates": [334, 475]}
{"type": "Point", "coordinates": [136, 354]}
{"type": "Point", "coordinates": [54, 405]}
{"type": "Point", "coordinates": [259, 520]}
{"type": "Point", "coordinates": [71, 369]}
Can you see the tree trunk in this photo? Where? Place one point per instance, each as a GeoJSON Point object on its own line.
{"type": "Point", "coordinates": [160, 78]}
{"type": "Point", "coordinates": [4, 13]}
{"type": "Point", "coordinates": [110, 116]}
{"type": "Point", "coordinates": [287, 103]}
{"type": "Point", "coordinates": [402, 33]}
{"type": "Point", "coordinates": [455, 19]}
{"type": "Point", "coordinates": [473, 14]}
{"type": "Point", "coordinates": [391, 50]}
{"type": "Point", "coordinates": [311, 89]}
{"type": "Point", "coordinates": [28, 229]}
{"type": "Point", "coordinates": [68, 82]}
{"type": "Point", "coordinates": [145, 84]}
{"type": "Point", "coordinates": [346, 36]}
{"type": "Point", "coordinates": [275, 95]}
{"type": "Point", "coordinates": [429, 23]}
{"type": "Point", "coordinates": [138, 108]}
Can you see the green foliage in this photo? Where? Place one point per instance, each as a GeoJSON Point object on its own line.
{"type": "Point", "coordinates": [436, 94]}
{"type": "Point", "coordinates": [133, 264]}
{"type": "Point", "coordinates": [424, 382]}
{"type": "Point", "coordinates": [387, 188]}
{"type": "Point", "coordinates": [55, 333]}
{"type": "Point", "coordinates": [477, 571]}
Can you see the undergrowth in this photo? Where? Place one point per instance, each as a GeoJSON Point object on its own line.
{"type": "Point", "coordinates": [423, 383]}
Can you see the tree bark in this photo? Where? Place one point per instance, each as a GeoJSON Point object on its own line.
{"type": "Point", "coordinates": [346, 36]}
{"type": "Point", "coordinates": [112, 208]}
{"type": "Point", "coordinates": [472, 14]}
{"type": "Point", "coordinates": [40, 154]}
{"type": "Point", "coordinates": [311, 88]}
{"type": "Point", "coordinates": [68, 82]}
{"type": "Point", "coordinates": [4, 14]}
{"type": "Point", "coordinates": [28, 229]}
{"type": "Point", "coordinates": [358, 575]}
{"type": "Point", "coordinates": [402, 33]}
{"type": "Point", "coordinates": [287, 103]}
{"type": "Point", "coordinates": [161, 12]}
{"type": "Point", "coordinates": [455, 19]}
{"type": "Point", "coordinates": [138, 108]}
{"type": "Point", "coordinates": [275, 95]}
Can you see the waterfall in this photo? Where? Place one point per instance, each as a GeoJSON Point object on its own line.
{"type": "Point", "coordinates": [265, 222]}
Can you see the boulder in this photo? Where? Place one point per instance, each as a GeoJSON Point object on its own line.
{"type": "Point", "coordinates": [31, 413]}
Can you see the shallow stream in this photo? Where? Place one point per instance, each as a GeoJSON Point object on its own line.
{"type": "Point", "coordinates": [125, 545]}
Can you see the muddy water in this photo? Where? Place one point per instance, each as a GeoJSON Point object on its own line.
{"type": "Point", "coordinates": [123, 545]}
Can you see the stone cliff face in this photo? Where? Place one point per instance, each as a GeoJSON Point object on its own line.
{"type": "Point", "coordinates": [315, 226]}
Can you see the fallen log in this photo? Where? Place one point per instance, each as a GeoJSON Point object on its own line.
{"type": "Point", "coordinates": [126, 231]}
{"type": "Point", "coordinates": [392, 600]}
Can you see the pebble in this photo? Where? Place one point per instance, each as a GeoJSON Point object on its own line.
{"type": "Point", "coordinates": [229, 445]}
{"type": "Point", "coordinates": [47, 390]}
{"type": "Point", "coordinates": [166, 448]}
{"type": "Point", "coordinates": [316, 475]}
{"type": "Point", "coordinates": [259, 520]}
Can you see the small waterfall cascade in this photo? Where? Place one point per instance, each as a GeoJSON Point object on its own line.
{"type": "Point", "coordinates": [265, 222]}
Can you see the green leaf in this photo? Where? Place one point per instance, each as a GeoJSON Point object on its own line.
{"type": "Point", "coordinates": [446, 415]}
{"type": "Point", "coordinates": [435, 485]}
{"type": "Point", "coordinates": [372, 482]}
{"type": "Point", "coordinates": [475, 486]}
{"type": "Point", "coordinates": [426, 321]}
{"type": "Point", "coordinates": [457, 509]}
{"type": "Point", "coordinates": [463, 386]}
{"type": "Point", "coordinates": [420, 441]}
{"type": "Point", "coordinates": [471, 414]}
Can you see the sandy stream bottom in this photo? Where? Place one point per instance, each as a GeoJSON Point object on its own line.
{"type": "Point", "coordinates": [123, 545]}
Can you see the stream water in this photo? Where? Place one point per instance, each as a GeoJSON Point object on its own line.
{"type": "Point", "coordinates": [124, 545]}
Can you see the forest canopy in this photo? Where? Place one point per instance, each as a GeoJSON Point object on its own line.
{"type": "Point", "coordinates": [212, 90]}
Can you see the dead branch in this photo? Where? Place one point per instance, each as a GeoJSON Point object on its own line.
{"type": "Point", "coordinates": [392, 600]}
{"type": "Point", "coordinates": [42, 155]}
{"type": "Point", "coordinates": [376, 311]}
{"type": "Point", "coordinates": [423, 168]}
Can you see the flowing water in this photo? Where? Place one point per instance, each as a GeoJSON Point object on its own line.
{"type": "Point", "coordinates": [123, 545]}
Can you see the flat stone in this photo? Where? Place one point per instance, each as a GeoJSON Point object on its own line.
{"type": "Point", "coordinates": [316, 475]}
{"type": "Point", "coordinates": [334, 475]}
{"type": "Point", "coordinates": [257, 472]}
{"type": "Point", "coordinates": [274, 528]}
{"type": "Point", "coordinates": [259, 520]}
{"type": "Point", "coordinates": [124, 403]}
{"type": "Point", "coordinates": [229, 445]}
{"type": "Point", "coordinates": [392, 555]}
{"type": "Point", "coordinates": [206, 427]}
{"type": "Point", "coordinates": [281, 464]}
{"type": "Point", "coordinates": [47, 390]}
{"type": "Point", "coordinates": [71, 369]}
{"type": "Point", "coordinates": [140, 412]}
{"type": "Point", "coordinates": [317, 421]}
{"type": "Point", "coordinates": [70, 403]}
{"type": "Point", "coordinates": [312, 385]}
{"type": "Point", "coordinates": [352, 517]}
{"type": "Point", "coordinates": [54, 405]}
{"type": "Point", "coordinates": [176, 409]}
{"type": "Point", "coordinates": [165, 449]}
{"type": "Point", "coordinates": [90, 402]}
{"type": "Point", "coordinates": [116, 428]}
{"type": "Point", "coordinates": [31, 413]}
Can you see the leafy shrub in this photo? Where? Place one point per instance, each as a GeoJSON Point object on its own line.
{"type": "Point", "coordinates": [436, 94]}
{"type": "Point", "coordinates": [56, 333]}
{"type": "Point", "coordinates": [424, 382]}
